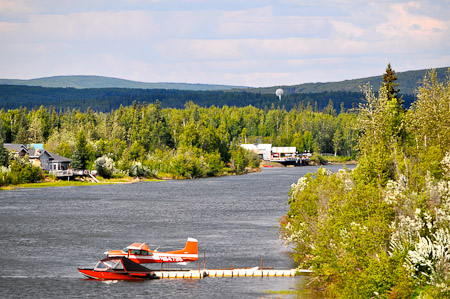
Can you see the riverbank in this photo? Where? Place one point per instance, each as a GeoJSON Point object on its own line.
{"type": "Point", "coordinates": [102, 181]}
{"type": "Point", "coordinates": [62, 183]}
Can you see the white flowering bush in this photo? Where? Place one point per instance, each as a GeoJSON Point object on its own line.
{"type": "Point", "coordinates": [430, 259]}
{"type": "Point", "coordinates": [292, 234]}
{"type": "Point", "coordinates": [446, 165]}
{"type": "Point", "coordinates": [407, 229]}
{"type": "Point", "coordinates": [105, 166]}
{"type": "Point", "coordinates": [298, 187]}
{"type": "Point", "coordinates": [424, 238]}
{"type": "Point", "coordinates": [139, 170]}
{"type": "Point", "coordinates": [4, 171]}
{"type": "Point", "coordinates": [345, 177]}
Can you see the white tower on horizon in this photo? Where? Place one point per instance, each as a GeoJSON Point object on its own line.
{"type": "Point", "coordinates": [279, 92]}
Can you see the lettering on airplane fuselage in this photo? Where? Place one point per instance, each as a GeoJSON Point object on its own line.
{"type": "Point", "coordinates": [171, 259]}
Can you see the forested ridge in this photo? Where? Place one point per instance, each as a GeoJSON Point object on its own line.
{"type": "Point", "coordinates": [106, 94]}
{"type": "Point", "coordinates": [382, 230]}
{"type": "Point", "coordinates": [107, 99]}
{"type": "Point", "coordinates": [409, 81]}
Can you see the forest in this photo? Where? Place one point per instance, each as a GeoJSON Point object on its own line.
{"type": "Point", "coordinates": [148, 140]}
{"type": "Point", "coordinates": [108, 99]}
{"type": "Point", "coordinates": [383, 229]}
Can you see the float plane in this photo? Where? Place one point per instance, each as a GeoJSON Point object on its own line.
{"type": "Point", "coordinates": [140, 253]}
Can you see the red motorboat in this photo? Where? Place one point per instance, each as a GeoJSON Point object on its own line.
{"type": "Point", "coordinates": [118, 268]}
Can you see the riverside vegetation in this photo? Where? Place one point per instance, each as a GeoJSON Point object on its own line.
{"type": "Point", "coordinates": [146, 140]}
{"type": "Point", "coordinates": [382, 230]}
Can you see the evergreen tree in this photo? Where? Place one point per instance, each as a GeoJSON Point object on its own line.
{"type": "Point", "coordinates": [4, 155]}
{"type": "Point", "coordinates": [389, 78]}
{"type": "Point", "coordinates": [81, 155]}
{"type": "Point", "coordinates": [329, 109]}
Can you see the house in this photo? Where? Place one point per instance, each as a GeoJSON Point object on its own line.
{"type": "Point", "coordinates": [18, 149]}
{"type": "Point", "coordinates": [40, 157]}
{"type": "Point", "coordinates": [47, 160]}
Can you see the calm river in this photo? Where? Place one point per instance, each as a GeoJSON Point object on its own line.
{"type": "Point", "coordinates": [47, 233]}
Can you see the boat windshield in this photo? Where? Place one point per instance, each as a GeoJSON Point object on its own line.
{"type": "Point", "coordinates": [114, 264]}
{"type": "Point", "coordinates": [125, 250]}
{"type": "Point", "coordinates": [100, 265]}
{"type": "Point", "coordinates": [109, 264]}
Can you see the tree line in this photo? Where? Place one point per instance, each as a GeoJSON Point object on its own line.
{"type": "Point", "coordinates": [190, 142]}
{"type": "Point", "coordinates": [382, 230]}
{"type": "Point", "coordinates": [108, 99]}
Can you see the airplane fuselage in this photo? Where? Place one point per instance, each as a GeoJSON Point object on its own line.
{"type": "Point", "coordinates": [141, 254]}
{"type": "Point", "coordinates": [156, 257]}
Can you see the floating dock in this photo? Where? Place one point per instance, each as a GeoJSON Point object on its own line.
{"type": "Point", "coordinates": [242, 272]}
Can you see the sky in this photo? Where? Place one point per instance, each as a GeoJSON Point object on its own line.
{"type": "Point", "coordinates": [233, 42]}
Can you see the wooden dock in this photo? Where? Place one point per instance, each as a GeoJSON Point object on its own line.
{"type": "Point", "coordinates": [242, 272]}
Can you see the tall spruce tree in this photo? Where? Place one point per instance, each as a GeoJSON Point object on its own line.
{"type": "Point", "coordinates": [389, 78]}
{"type": "Point", "coordinates": [80, 156]}
{"type": "Point", "coordinates": [394, 101]}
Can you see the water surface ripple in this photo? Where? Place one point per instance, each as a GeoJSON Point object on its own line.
{"type": "Point", "coordinates": [47, 233]}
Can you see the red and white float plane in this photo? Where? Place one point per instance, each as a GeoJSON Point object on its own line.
{"type": "Point", "coordinates": [141, 254]}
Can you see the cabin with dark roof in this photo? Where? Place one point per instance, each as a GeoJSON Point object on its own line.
{"type": "Point", "coordinates": [48, 161]}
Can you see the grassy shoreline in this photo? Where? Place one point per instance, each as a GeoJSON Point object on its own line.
{"type": "Point", "coordinates": [77, 183]}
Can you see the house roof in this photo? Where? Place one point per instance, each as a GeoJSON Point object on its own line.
{"type": "Point", "coordinates": [15, 147]}
{"type": "Point", "coordinates": [52, 157]}
{"type": "Point", "coordinates": [58, 158]}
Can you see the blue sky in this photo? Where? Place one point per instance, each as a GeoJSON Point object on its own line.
{"type": "Point", "coordinates": [246, 42]}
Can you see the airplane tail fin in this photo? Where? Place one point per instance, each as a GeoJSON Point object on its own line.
{"type": "Point", "coordinates": [191, 246]}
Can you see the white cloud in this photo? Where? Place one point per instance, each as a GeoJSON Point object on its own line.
{"type": "Point", "coordinates": [232, 42]}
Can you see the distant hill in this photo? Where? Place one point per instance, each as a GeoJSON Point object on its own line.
{"type": "Point", "coordinates": [108, 82]}
{"type": "Point", "coordinates": [107, 99]}
{"type": "Point", "coordinates": [408, 83]}
{"type": "Point", "coordinates": [115, 92]}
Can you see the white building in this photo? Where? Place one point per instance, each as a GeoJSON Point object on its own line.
{"type": "Point", "coordinates": [264, 150]}
{"type": "Point", "coordinates": [284, 154]}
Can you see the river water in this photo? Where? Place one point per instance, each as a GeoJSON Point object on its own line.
{"type": "Point", "coordinates": [47, 233]}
